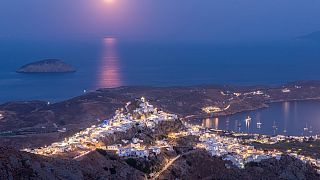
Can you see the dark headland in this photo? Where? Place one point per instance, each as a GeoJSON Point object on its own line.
{"type": "Point", "coordinates": [47, 66]}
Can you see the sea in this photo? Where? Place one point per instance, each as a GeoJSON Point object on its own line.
{"type": "Point", "coordinates": [110, 62]}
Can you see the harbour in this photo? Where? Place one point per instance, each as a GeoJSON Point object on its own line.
{"type": "Point", "coordinates": [299, 118]}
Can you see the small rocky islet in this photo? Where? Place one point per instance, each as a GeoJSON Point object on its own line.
{"type": "Point", "coordinates": [47, 66]}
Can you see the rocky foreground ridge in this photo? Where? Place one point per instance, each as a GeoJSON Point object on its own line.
{"type": "Point", "coordinates": [101, 165]}
{"type": "Point", "coordinates": [200, 165]}
{"type": "Point", "coordinates": [20, 165]}
{"type": "Point", "coordinates": [47, 66]}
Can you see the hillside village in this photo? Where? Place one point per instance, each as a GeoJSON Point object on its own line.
{"type": "Point", "coordinates": [233, 148]}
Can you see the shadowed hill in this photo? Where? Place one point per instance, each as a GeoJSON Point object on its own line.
{"type": "Point", "coordinates": [21, 165]}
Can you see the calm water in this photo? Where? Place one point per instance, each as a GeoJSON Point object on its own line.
{"type": "Point", "coordinates": [111, 62]}
{"type": "Point", "coordinates": [287, 118]}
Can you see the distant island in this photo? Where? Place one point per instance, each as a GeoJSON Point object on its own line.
{"type": "Point", "coordinates": [314, 36]}
{"type": "Point", "coordinates": [47, 66]}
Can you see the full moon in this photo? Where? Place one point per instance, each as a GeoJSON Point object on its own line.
{"type": "Point", "coordinates": [109, 1]}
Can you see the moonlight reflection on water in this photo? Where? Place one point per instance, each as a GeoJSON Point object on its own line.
{"type": "Point", "coordinates": [110, 70]}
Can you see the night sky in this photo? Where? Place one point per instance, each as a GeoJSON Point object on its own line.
{"type": "Point", "coordinates": [166, 20]}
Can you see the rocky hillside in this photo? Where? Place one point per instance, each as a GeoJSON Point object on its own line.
{"type": "Point", "coordinates": [47, 66]}
{"type": "Point", "coordinates": [21, 165]}
{"type": "Point", "coordinates": [200, 165]}
{"type": "Point", "coordinates": [99, 164]}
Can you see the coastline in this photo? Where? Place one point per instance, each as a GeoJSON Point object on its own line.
{"type": "Point", "coordinates": [32, 118]}
{"type": "Point", "coordinates": [267, 105]}
{"type": "Point", "coordinates": [293, 100]}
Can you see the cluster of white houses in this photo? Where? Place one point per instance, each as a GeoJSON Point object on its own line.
{"type": "Point", "coordinates": [264, 139]}
{"type": "Point", "coordinates": [229, 148]}
{"type": "Point", "coordinates": [259, 92]}
{"type": "Point", "coordinates": [252, 93]}
{"type": "Point", "coordinates": [136, 149]}
{"type": "Point", "coordinates": [90, 138]}
{"type": "Point", "coordinates": [214, 109]}
{"type": "Point", "coordinates": [1, 115]}
{"type": "Point", "coordinates": [232, 148]}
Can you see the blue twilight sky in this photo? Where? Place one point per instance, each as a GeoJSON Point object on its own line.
{"type": "Point", "coordinates": [165, 20]}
